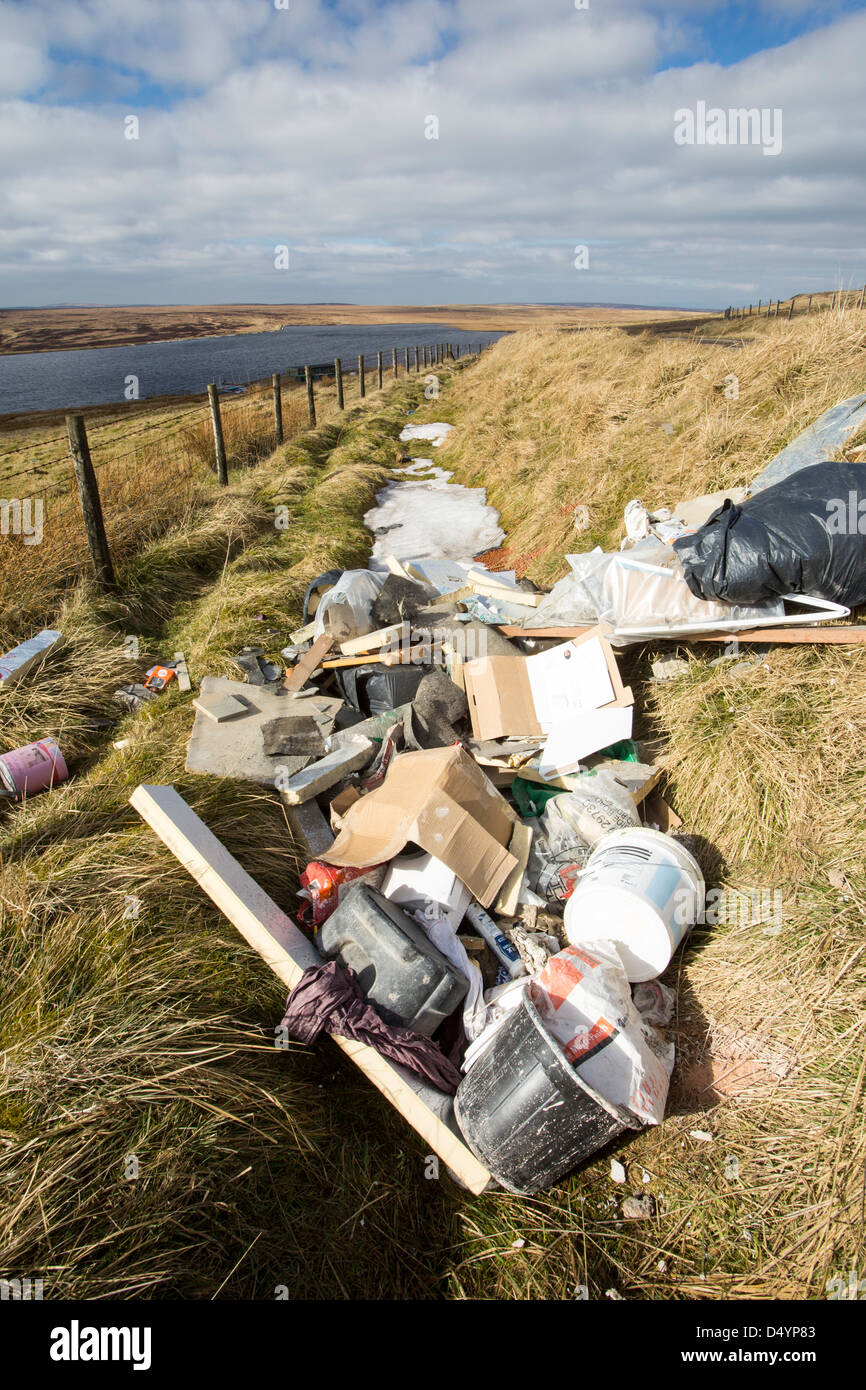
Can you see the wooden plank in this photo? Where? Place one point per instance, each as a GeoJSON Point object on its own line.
{"type": "Point", "coordinates": [383, 637]}
{"type": "Point", "coordinates": [484, 584]}
{"type": "Point", "coordinates": [304, 634]}
{"type": "Point", "coordinates": [790, 636]}
{"type": "Point", "coordinates": [402, 656]}
{"type": "Point", "coordinates": [182, 670]}
{"type": "Point", "coordinates": [561, 634]}
{"type": "Point", "coordinates": [298, 676]}
{"type": "Point", "coordinates": [287, 951]}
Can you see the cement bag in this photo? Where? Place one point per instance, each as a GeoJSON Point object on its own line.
{"type": "Point", "coordinates": [568, 830]}
{"type": "Point", "coordinates": [584, 1001]}
{"type": "Point", "coordinates": [804, 535]}
{"type": "Point", "coordinates": [346, 611]}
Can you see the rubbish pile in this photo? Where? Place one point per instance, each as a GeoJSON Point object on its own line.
{"type": "Point", "coordinates": [493, 883]}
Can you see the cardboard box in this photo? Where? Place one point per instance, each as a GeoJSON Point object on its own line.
{"type": "Point", "coordinates": [573, 694]}
{"type": "Point", "coordinates": [441, 800]}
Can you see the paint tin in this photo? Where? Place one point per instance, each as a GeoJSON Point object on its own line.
{"type": "Point", "coordinates": [34, 768]}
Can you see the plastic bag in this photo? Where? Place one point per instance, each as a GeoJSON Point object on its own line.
{"type": "Point", "coordinates": [644, 591]}
{"type": "Point", "coordinates": [568, 830]}
{"type": "Point", "coordinates": [571, 600]}
{"type": "Point", "coordinates": [805, 535]}
{"type": "Point", "coordinates": [583, 998]}
{"type": "Point", "coordinates": [346, 610]}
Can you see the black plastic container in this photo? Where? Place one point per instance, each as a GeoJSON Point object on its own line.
{"type": "Point", "coordinates": [399, 970]}
{"type": "Point", "coordinates": [524, 1111]}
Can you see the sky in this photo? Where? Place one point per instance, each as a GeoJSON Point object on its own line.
{"type": "Point", "coordinates": [430, 151]}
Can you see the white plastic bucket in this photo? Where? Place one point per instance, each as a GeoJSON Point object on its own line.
{"type": "Point", "coordinates": [641, 890]}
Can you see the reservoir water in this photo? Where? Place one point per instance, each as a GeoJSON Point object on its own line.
{"type": "Point", "coordinates": [100, 376]}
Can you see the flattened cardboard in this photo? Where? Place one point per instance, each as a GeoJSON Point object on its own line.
{"type": "Point", "coordinates": [441, 800]}
{"type": "Point", "coordinates": [514, 696]}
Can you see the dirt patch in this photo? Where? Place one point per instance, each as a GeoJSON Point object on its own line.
{"type": "Point", "coordinates": [722, 1062]}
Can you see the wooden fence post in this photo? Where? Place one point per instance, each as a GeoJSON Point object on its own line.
{"type": "Point", "coordinates": [338, 375]}
{"type": "Point", "coordinates": [311, 399]}
{"type": "Point", "coordinates": [394, 362]}
{"type": "Point", "coordinates": [91, 507]}
{"type": "Point", "coordinates": [218, 440]}
{"type": "Point", "coordinates": [809, 305]}
{"type": "Point", "coordinates": [362, 380]}
{"type": "Point", "coordinates": [416, 359]}
{"type": "Point", "coordinates": [278, 407]}
{"type": "Point", "coordinates": [862, 293]}
{"type": "Point", "coordinates": [791, 307]}
{"type": "Point", "coordinates": [379, 381]}
{"type": "Point", "coordinates": [406, 359]}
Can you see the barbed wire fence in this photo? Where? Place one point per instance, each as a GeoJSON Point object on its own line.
{"type": "Point", "coordinates": [136, 484]}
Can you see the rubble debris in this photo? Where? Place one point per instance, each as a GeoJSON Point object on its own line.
{"type": "Point", "coordinates": [21, 659]}
{"type": "Point", "coordinates": [640, 1207]}
{"type": "Point", "coordinates": [221, 707]}
{"type": "Point", "coordinates": [236, 748]}
{"type": "Point", "coordinates": [298, 735]}
{"type": "Point", "coordinates": [255, 669]}
{"type": "Point", "coordinates": [327, 772]}
{"type": "Point", "coordinates": [309, 828]}
{"type": "Point", "coordinates": [400, 600]}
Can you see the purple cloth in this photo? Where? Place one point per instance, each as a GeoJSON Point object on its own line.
{"type": "Point", "coordinates": [328, 999]}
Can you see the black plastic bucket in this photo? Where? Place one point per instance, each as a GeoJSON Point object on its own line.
{"type": "Point", "coordinates": [524, 1111]}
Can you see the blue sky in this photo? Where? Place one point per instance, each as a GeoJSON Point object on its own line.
{"type": "Point", "coordinates": [309, 127]}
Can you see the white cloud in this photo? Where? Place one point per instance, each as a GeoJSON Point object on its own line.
{"type": "Point", "coordinates": [555, 128]}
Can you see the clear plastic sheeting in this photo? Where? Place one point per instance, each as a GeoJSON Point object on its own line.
{"type": "Point", "coordinates": [641, 592]}
{"type": "Point", "coordinates": [346, 609]}
{"type": "Point", "coordinates": [817, 444]}
{"type": "Point", "coordinates": [644, 591]}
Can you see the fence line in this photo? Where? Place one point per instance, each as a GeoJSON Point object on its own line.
{"type": "Point", "coordinates": [840, 301]}
{"type": "Point", "coordinates": [142, 489]}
